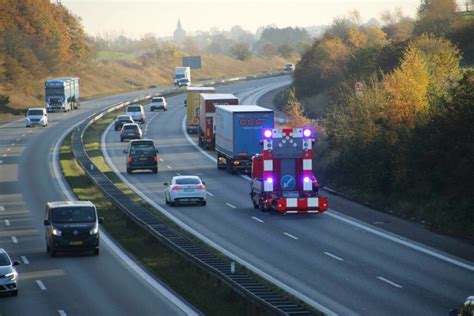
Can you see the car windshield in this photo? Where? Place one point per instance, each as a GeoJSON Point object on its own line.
{"type": "Point", "coordinates": [133, 109]}
{"type": "Point", "coordinates": [157, 100]}
{"type": "Point", "coordinates": [124, 118]}
{"type": "Point", "coordinates": [35, 112]}
{"type": "Point", "coordinates": [142, 148]}
{"type": "Point", "coordinates": [83, 214]}
{"type": "Point", "coordinates": [4, 261]}
{"type": "Point", "coordinates": [188, 181]}
{"type": "Point", "coordinates": [130, 127]}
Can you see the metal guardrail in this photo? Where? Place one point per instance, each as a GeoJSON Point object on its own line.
{"type": "Point", "coordinates": [221, 268]}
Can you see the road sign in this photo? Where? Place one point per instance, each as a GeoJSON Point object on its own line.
{"type": "Point", "coordinates": [194, 62]}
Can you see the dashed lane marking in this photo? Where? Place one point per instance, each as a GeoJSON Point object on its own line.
{"type": "Point", "coordinates": [257, 219]}
{"type": "Point", "coordinates": [389, 282]}
{"type": "Point", "coordinates": [15, 241]}
{"type": "Point", "coordinates": [25, 260]}
{"type": "Point", "coordinates": [2, 208]}
{"type": "Point", "coordinates": [62, 313]}
{"type": "Point", "coordinates": [7, 222]}
{"type": "Point", "coordinates": [41, 285]}
{"type": "Point", "coordinates": [230, 205]}
{"type": "Point", "coordinates": [168, 166]}
{"type": "Point", "coordinates": [290, 235]}
{"type": "Point", "coordinates": [333, 256]}
{"type": "Point", "coordinates": [209, 193]}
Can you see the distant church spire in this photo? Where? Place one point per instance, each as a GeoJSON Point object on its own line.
{"type": "Point", "coordinates": [179, 34]}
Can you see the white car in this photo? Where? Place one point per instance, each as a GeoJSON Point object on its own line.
{"type": "Point", "coordinates": [158, 103]}
{"type": "Point", "coordinates": [8, 274]}
{"type": "Point", "coordinates": [289, 67]}
{"type": "Point", "coordinates": [36, 116]}
{"type": "Point", "coordinates": [136, 112]}
{"type": "Point", "coordinates": [188, 189]}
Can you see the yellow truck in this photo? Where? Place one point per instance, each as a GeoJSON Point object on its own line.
{"type": "Point", "coordinates": [193, 101]}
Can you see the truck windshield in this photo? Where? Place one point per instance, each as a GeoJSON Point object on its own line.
{"type": "Point", "coordinates": [83, 214]}
{"type": "Point", "coordinates": [179, 76]}
{"type": "Point", "coordinates": [55, 91]}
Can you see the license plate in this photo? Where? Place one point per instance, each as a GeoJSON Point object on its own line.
{"type": "Point", "coordinates": [188, 190]}
{"type": "Point", "coordinates": [75, 243]}
{"type": "Point", "coordinates": [143, 158]}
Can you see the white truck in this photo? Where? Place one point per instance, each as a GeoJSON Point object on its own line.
{"type": "Point", "coordinates": [182, 76]}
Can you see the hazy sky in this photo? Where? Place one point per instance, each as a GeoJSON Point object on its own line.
{"type": "Point", "coordinates": [135, 18]}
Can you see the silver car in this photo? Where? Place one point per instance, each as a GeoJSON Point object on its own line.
{"type": "Point", "coordinates": [188, 189]}
{"type": "Point", "coordinates": [8, 274]}
{"type": "Point", "coordinates": [36, 116]}
{"type": "Point", "coordinates": [158, 103]}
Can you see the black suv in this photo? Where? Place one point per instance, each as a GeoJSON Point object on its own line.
{"type": "Point", "coordinates": [122, 119]}
{"type": "Point", "coordinates": [71, 226]}
{"type": "Point", "coordinates": [141, 155]}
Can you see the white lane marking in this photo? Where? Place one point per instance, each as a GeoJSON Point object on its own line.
{"type": "Point", "coordinates": [257, 219]}
{"type": "Point", "coordinates": [62, 313]}
{"type": "Point", "coordinates": [333, 256]}
{"type": "Point", "coordinates": [209, 193]}
{"type": "Point", "coordinates": [161, 160]}
{"type": "Point", "coordinates": [389, 282]}
{"type": "Point", "coordinates": [124, 258]}
{"type": "Point", "coordinates": [168, 166]}
{"type": "Point", "coordinates": [2, 208]}
{"type": "Point", "coordinates": [230, 205]}
{"type": "Point", "coordinates": [7, 222]}
{"type": "Point", "coordinates": [8, 149]}
{"type": "Point", "coordinates": [290, 235]}
{"type": "Point", "coordinates": [4, 155]}
{"type": "Point", "coordinates": [41, 285]}
{"type": "Point", "coordinates": [1, 161]}
{"type": "Point", "coordinates": [13, 144]}
{"type": "Point", "coordinates": [25, 260]}
{"type": "Point", "coordinates": [15, 241]}
{"type": "Point", "coordinates": [399, 240]}
{"type": "Point", "coordinates": [205, 239]}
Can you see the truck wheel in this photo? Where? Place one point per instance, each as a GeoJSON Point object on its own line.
{"type": "Point", "coordinates": [255, 205]}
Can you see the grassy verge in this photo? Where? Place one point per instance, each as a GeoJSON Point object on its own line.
{"type": "Point", "coordinates": [197, 287]}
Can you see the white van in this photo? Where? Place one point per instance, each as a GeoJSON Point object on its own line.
{"type": "Point", "coordinates": [137, 112]}
{"type": "Point", "coordinates": [36, 116]}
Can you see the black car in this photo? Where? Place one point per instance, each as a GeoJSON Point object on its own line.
{"type": "Point", "coordinates": [141, 155]}
{"type": "Point", "coordinates": [122, 119]}
{"type": "Point", "coordinates": [71, 226]}
{"type": "Point", "coordinates": [130, 131]}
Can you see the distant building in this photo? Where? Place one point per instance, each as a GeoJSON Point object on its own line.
{"type": "Point", "coordinates": [179, 34]}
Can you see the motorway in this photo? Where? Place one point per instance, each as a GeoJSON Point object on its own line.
{"type": "Point", "coordinates": [109, 284]}
{"type": "Point", "coordinates": [332, 261]}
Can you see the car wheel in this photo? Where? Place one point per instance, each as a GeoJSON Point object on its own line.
{"type": "Point", "coordinates": [14, 293]}
{"type": "Point", "coordinates": [52, 252]}
{"type": "Point", "coordinates": [204, 203]}
{"type": "Point", "coordinates": [129, 171]}
{"type": "Point", "coordinates": [121, 140]}
{"type": "Point", "coordinates": [255, 205]}
{"type": "Point", "coordinates": [155, 171]}
{"type": "Point", "coordinates": [96, 252]}
{"type": "Point", "coordinates": [172, 203]}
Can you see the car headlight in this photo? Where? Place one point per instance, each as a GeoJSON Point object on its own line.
{"type": "Point", "coordinates": [28, 119]}
{"type": "Point", "coordinates": [11, 276]}
{"type": "Point", "coordinates": [95, 230]}
{"type": "Point", "coordinates": [57, 232]}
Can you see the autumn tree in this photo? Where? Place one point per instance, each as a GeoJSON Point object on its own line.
{"type": "Point", "coordinates": [436, 17]}
{"type": "Point", "coordinates": [294, 111]}
{"type": "Point", "coordinates": [241, 51]}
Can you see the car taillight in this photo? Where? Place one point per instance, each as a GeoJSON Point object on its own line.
{"type": "Point", "coordinates": [200, 187]}
{"type": "Point", "coordinates": [155, 158]}
{"type": "Point", "coordinates": [129, 159]}
{"type": "Point", "coordinates": [176, 187]}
